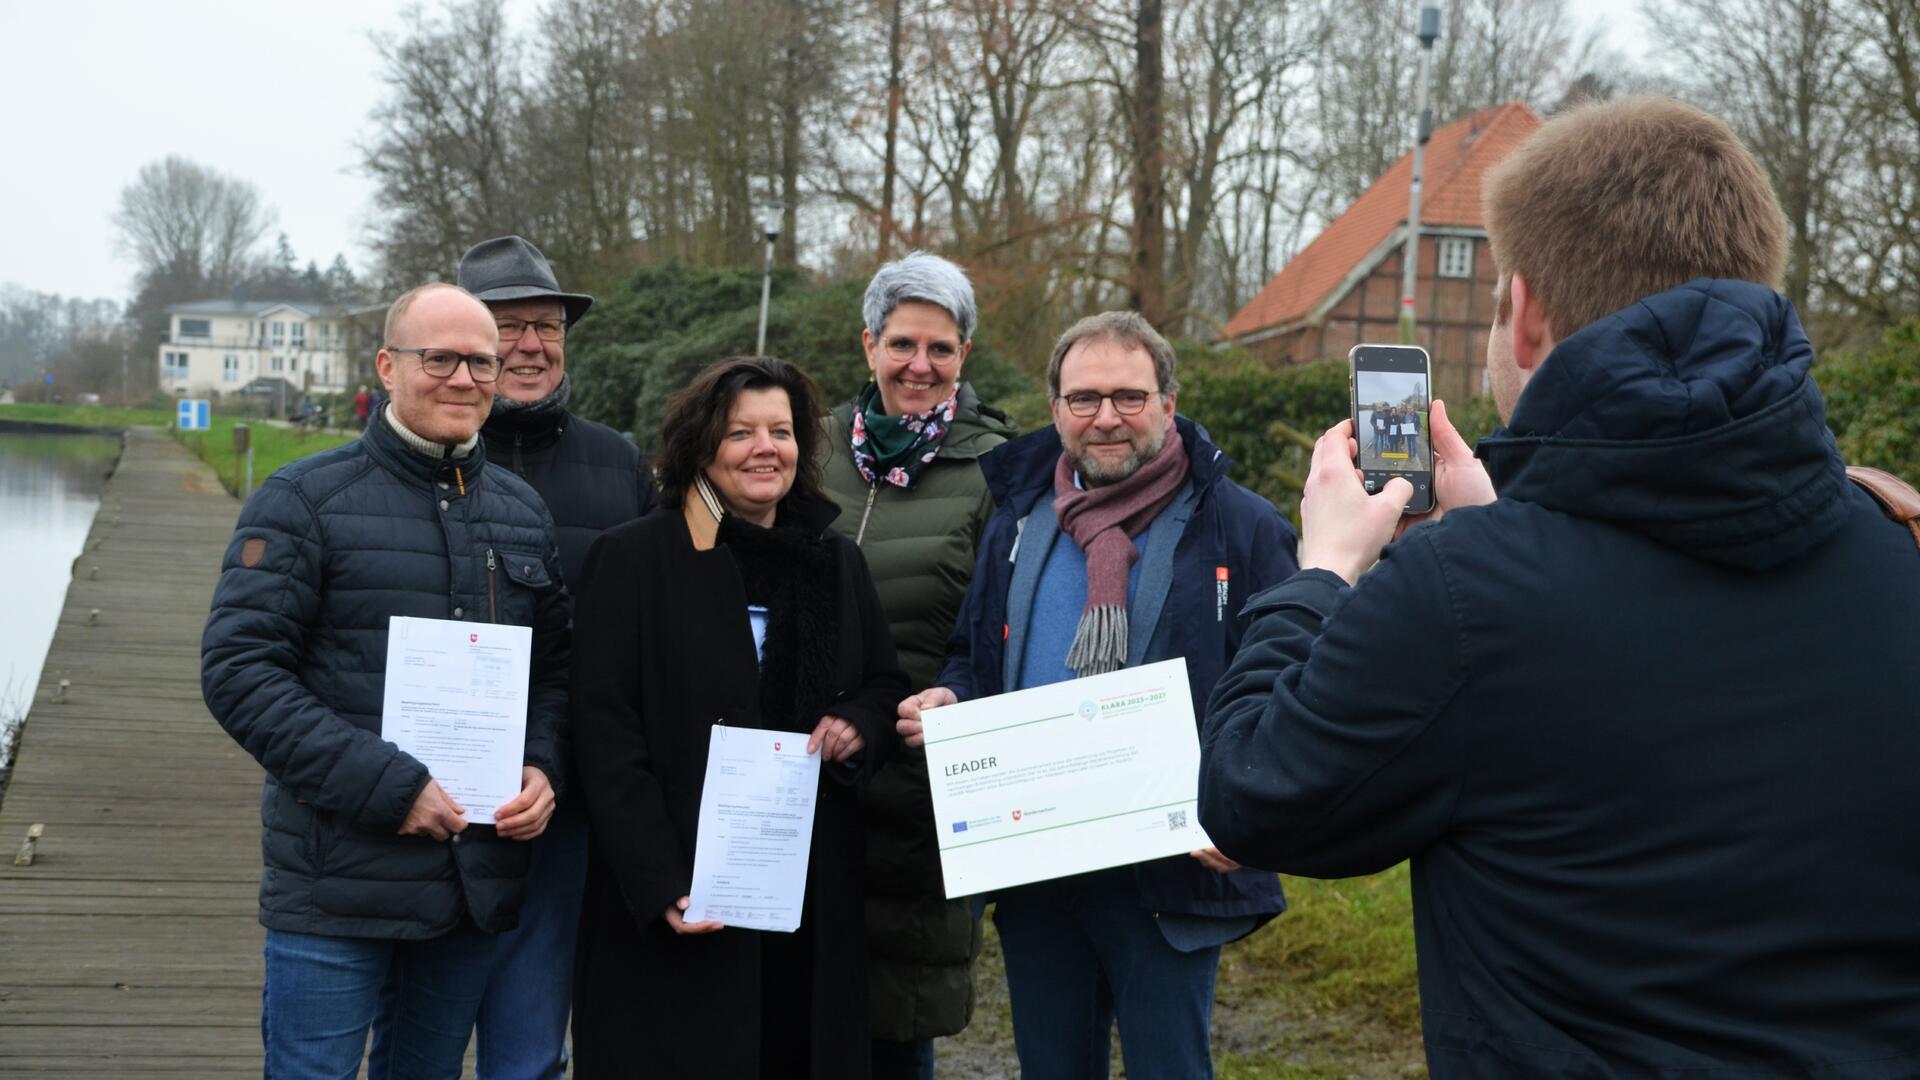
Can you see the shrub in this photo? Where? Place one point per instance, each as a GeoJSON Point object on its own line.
{"type": "Point", "coordinates": [1873, 402]}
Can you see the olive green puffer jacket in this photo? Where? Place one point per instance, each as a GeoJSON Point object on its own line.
{"type": "Point", "coordinates": [919, 543]}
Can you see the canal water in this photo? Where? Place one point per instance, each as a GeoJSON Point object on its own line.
{"type": "Point", "coordinates": [49, 490]}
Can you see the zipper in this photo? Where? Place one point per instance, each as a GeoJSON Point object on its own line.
{"type": "Point", "coordinates": [493, 603]}
{"type": "Point", "coordinates": [872, 492]}
{"type": "Point", "coordinates": [519, 467]}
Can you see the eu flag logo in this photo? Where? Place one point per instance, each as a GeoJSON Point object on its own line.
{"type": "Point", "coordinates": [959, 826]}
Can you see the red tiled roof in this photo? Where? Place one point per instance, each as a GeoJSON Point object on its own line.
{"type": "Point", "coordinates": [1458, 155]}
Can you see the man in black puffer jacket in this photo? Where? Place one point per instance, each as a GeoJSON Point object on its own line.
{"type": "Point", "coordinates": [592, 479]}
{"type": "Point", "coordinates": [1644, 723]}
{"type": "Point", "coordinates": [381, 903]}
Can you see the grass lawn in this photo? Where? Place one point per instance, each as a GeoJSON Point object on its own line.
{"type": "Point", "coordinates": [273, 446]}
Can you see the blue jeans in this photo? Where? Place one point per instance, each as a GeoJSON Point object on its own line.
{"type": "Point", "coordinates": [323, 994]}
{"type": "Point", "coordinates": [1081, 953]}
{"type": "Point", "coordinates": [523, 1018]}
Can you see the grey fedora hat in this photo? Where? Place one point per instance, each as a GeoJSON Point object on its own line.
{"type": "Point", "coordinates": [510, 268]}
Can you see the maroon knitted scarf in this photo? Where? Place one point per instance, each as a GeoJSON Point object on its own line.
{"type": "Point", "coordinates": [1103, 521]}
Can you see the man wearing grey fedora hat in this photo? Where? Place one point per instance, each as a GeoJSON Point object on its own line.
{"type": "Point", "coordinates": [592, 478]}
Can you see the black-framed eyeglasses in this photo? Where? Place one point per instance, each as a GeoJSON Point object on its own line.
{"type": "Point", "coordinates": [904, 349]}
{"type": "Point", "coordinates": [439, 363]}
{"type": "Point", "coordinates": [546, 329]}
{"type": "Point", "coordinates": [1085, 403]}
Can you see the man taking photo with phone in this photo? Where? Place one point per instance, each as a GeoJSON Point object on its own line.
{"type": "Point", "coordinates": [1644, 720]}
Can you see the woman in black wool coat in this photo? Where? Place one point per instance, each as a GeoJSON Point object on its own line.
{"type": "Point", "coordinates": [665, 646]}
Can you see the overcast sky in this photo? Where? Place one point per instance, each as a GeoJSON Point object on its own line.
{"type": "Point", "coordinates": [272, 92]}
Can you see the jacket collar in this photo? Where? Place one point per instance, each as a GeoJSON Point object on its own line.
{"type": "Point", "coordinates": [386, 446]}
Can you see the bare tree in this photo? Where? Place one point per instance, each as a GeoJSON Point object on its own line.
{"type": "Point", "coordinates": [441, 155]}
{"type": "Point", "coordinates": [1777, 70]}
{"type": "Point", "coordinates": [1872, 267]}
{"type": "Point", "coordinates": [191, 222]}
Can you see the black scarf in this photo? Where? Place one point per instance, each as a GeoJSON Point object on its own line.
{"type": "Point", "coordinates": [512, 417]}
{"type": "Point", "coordinates": [792, 575]}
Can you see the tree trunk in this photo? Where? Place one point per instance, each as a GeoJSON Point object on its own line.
{"type": "Point", "coordinates": [1146, 288]}
{"type": "Point", "coordinates": [889, 168]}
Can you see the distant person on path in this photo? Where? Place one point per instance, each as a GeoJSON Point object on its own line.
{"type": "Point", "coordinates": [1644, 722]}
{"type": "Point", "coordinates": [362, 406]}
{"type": "Point", "coordinates": [1116, 540]}
{"type": "Point", "coordinates": [382, 905]}
{"type": "Point", "coordinates": [591, 478]}
{"type": "Point", "coordinates": [904, 465]}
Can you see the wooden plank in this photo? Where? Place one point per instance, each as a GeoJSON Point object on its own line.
{"type": "Point", "coordinates": [132, 946]}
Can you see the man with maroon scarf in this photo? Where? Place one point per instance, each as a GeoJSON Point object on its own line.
{"type": "Point", "coordinates": [1117, 540]}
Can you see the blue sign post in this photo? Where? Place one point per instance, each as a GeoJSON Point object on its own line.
{"type": "Point", "coordinates": [195, 414]}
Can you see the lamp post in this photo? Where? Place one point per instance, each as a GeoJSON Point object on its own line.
{"type": "Point", "coordinates": [1410, 261]}
{"type": "Point", "coordinates": [771, 211]}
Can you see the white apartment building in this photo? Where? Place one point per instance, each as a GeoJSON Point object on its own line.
{"type": "Point", "coordinates": [215, 347]}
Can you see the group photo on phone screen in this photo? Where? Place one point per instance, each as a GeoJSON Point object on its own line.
{"type": "Point", "coordinates": [1392, 421]}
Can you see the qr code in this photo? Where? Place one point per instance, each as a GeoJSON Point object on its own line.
{"type": "Point", "coordinates": [1176, 820]}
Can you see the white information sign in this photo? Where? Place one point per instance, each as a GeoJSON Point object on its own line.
{"type": "Point", "coordinates": [1063, 779]}
{"type": "Point", "coordinates": [756, 829]}
{"type": "Point", "coordinates": [456, 698]}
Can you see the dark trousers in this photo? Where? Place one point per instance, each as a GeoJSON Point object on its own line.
{"type": "Point", "coordinates": [1081, 954]}
{"type": "Point", "coordinates": [903, 1060]}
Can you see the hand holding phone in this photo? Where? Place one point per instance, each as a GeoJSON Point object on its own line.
{"type": "Point", "coordinates": [1390, 394]}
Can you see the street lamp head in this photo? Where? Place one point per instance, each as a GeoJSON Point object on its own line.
{"type": "Point", "coordinates": [1429, 25]}
{"type": "Point", "coordinates": [773, 213]}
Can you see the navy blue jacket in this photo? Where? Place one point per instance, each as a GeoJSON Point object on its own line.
{"type": "Point", "coordinates": [1645, 725]}
{"type": "Point", "coordinates": [1230, 529]}
{"type": "Point", "coordinates": [293, 665]}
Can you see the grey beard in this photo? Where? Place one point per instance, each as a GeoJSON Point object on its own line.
{"type": "Point", "coordinates": [1095, 474]}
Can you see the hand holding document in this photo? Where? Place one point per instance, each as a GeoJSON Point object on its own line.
{"type": "Point", "coordinates": [756, 829]}
{"type": "Point", "coordinates": [456, 698]}
{"type": "Point", "coordinates": [1063, 779]}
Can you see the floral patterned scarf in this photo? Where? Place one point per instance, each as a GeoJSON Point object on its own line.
{"type": "Point", "coordinates": [896, 448]}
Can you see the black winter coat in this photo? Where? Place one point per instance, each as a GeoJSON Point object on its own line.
{"type": "Point", "coordinates": [1644, 725]}
{"type": "Point", "coordinates": [293, 664]}
{"type": "Point", "coordinates": [590, 476]}
{"type": "Point", "coordinates": [665, 651]}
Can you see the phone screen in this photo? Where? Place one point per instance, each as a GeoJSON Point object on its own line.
{"type": "Point", "coordinates": [1390, 421]}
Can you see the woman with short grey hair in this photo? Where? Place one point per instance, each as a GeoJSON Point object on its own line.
{"type": "Point", "coordinates": [903, 465]}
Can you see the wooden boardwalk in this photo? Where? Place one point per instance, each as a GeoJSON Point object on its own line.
{"type": "Point", "coordinates": [130, 946]}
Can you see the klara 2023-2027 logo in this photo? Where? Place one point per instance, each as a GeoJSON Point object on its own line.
{"type": "Point", "coordinates": [1089, 710]}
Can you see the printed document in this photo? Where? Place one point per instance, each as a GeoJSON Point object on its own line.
{"type": "Point", "coordinates": [1063, 779]}
{"type": "Point", "coordinates": [456, 698]}
{"type": "Point", "coordinates": [756, 829]}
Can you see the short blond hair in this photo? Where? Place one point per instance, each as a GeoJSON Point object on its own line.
{"type": "Point", "coordinates": [1612, 202]}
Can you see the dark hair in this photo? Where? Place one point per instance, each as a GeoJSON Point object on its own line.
{"type": "Point", "coordinates": [696, 420]}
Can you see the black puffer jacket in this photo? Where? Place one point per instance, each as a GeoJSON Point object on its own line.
{"type": "Point", "coordinates": [591, 477]}
{"type": "Point", "coordinates": [293, 666]}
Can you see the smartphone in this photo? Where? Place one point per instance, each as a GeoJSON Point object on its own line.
{"type": "Point", "coordinates": [1389, 386]}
